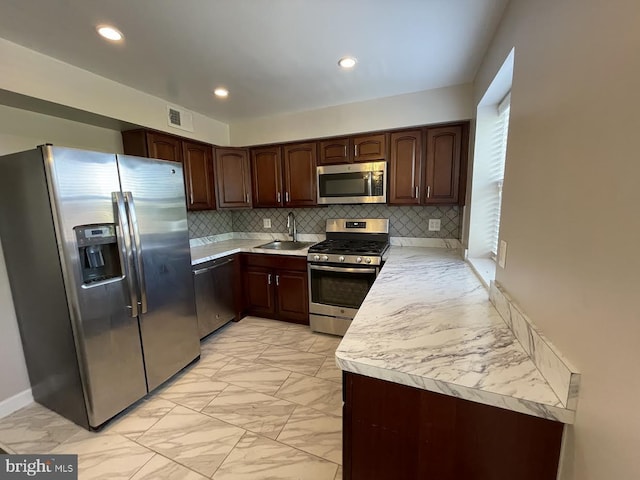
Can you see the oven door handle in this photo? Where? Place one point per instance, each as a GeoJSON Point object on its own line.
{"type": "Point", "coordinates": [342, 269]}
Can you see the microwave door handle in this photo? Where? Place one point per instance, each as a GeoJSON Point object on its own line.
{"type": "Point", "coordinates": [126, 253]}
{"type": "Point", "coordinates": [137, 248]}
{"type": "Point", "coordinates": [370, 184]}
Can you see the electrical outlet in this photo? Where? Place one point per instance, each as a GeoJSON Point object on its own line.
{"type": "Point", "coordinates": [502, 254]}
{"type": "Point", "coordinates": [434, 224]}
{"type": "Point", "coordinates": [266, 222]}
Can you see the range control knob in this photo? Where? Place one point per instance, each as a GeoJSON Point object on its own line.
{"type": "Point", "coordinates": [341, 259]}
{"type": "Point", "coordinates": [359, 260]}
{"type": "Point", "coordinates": [324, 258]}
{"type": "Point", "coordinates": [367, 260]}
{"type": "Point", "coordinates": [316, 257]}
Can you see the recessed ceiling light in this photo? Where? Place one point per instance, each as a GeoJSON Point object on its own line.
{"type": "Point", "coordinates": [110, 33]}
{"type": "Point", "coordinates": [221, 92]}
{"type": "Point", "coordinates": [347, 62]}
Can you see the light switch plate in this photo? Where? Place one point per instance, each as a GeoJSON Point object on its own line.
{"type": "Point", "coordinates": [434, 224]}
{"type": "Point", "coordinates": [266, 222]}
{"type": "Point", "coordinates": [502, 254]}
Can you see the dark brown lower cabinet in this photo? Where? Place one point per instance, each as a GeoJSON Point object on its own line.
{"type": "Point", "coordinates": [395, 432]}
{"type": "Point", "coordinates": [275, 286]}
{"type": "Point", "coordinates": [258, 288]}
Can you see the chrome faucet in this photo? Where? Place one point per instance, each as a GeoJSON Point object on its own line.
{"type": "Point", "coordinates": [291, 226]}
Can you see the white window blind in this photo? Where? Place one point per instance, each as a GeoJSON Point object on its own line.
{"type": "Point", "coordinates": [496, 167]}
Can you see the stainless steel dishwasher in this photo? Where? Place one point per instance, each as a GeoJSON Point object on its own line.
{"type": "Point", "coordinates": [214, 282]}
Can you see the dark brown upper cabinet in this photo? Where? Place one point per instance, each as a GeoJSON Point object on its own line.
{"type": "Point", "coordinates": [150, 144]}
{"type": "Point", "coordinates": [299, 162]}
{"type": "Point", "coordinates": [426, 164]}
{"type": "Point", "coordinates": [164, 147]}
{"type": "Point", "coordinates": [405, 168]}
{"type": "Point", "coordinates": [196, 158]}
{"type": "Point", "coordinates": [369, 148]}
{"type": "Point", "coordinates": [266, 175]}
{"type": "Point", "coordinates": [233, 178]}
{"type": "Point", "coordinates": [363, 148]}
{"type": "Point", "coordinates": [444, 148]}
{"type": "Point", "coordinates": [335, 151]}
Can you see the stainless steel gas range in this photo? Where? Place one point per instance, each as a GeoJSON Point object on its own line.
{"type": "Point", "coordinates": [342, 270]}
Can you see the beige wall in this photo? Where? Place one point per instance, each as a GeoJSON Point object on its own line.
{"type": "Point", "coordinates": [35, 75]}
{"type": "Point", "coordinates": [22, 130]}
{"type": "Point", "coordinates": [571, 211]}
{"type": "Point", "coordinates": [421, 108]}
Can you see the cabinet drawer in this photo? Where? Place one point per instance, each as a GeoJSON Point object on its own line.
{"type": "Point", "coordinates": [275, 261]}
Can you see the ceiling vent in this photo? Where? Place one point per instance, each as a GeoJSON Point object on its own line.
{"type": "Point", "coordinates": [179, 118]}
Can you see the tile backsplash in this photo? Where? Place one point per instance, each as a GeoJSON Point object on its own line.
{"type": "Point", "coordinates": [209, 222]}
{"type": "Point", "coordinates": [404, 221]}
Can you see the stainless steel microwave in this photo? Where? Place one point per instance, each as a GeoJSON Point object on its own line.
{"type": "Point", "coordinates": [353, 183]}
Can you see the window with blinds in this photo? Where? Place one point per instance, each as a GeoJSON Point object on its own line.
{"type": "Point", "coordinates": [496, 168]}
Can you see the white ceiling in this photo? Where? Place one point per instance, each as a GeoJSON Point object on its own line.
{"type": "Point", "coordinates": [275, 56]}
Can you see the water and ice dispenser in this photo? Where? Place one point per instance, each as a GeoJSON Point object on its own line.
{"type": "Point", "coordinates": [98, 251]}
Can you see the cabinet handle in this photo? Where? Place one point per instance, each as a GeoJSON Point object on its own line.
{"type": "Point", "coordinates": [278, 196]}
{"type": "Point", "coordinates": [277, 280]}
{"type": "Point", "coordinates": [428, 191]}
{"type": "Point", "coordinates": [417, 191]}
{"type": "Point", "coordinates": [286, 196]}
{"type": "Point", "coordinates": [246, 198]}
{"type": "Point", "coordinates": [269, 279]}
{"type": "Point", "coordinates": [355, 150]}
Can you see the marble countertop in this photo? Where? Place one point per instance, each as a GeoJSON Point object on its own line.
{"type": "Point", "coordinates": [427, 322]}
{"type": "Point", "coordinates": [212, 251]}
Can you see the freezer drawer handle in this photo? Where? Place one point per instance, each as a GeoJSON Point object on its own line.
{"type": "Point", "coordinates": [137, 250]}
{"type": "Point", "coordinates": [124, 241]}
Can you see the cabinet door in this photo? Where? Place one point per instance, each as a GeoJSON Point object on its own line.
{"type": "Point", "coordinates": [233, 180]}
{"type": "Point", "coordinates": [334, 151]}
{"type": "Point", "coordinates": [369, 148]}
{"type": "Point", "coordinates": [382, 437]}
{"type": "Point", "coordinates": [164, 147]}
{"type": "Point", "coordinates": [443, 165]}
{"type": "Point", "coordinates": [198, 176]}
{"type": "Point", "coordinates": [292, 296]}
{"type": "Point", "coordinates": [405, 168]}
{"type": "Point", "coordinates": [300, 175]}
{"type": "Point", "coordinates": [266, 172]}
{"type": "Point", "coordinates": [258, 289]}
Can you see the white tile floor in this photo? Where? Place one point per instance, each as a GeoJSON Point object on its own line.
{"type": "Point", "coordinates": [264, 402]}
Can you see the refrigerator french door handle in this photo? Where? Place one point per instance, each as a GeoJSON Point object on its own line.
{"type": "Point", "coordinates": [124, 241]}
{"type": "Point", "coordinates": [137, 248]}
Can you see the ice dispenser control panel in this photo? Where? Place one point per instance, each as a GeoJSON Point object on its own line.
{"type": "Point", "coordinates": [98, 252]}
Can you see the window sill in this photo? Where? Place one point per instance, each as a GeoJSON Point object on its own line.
{"type": "Point", "coordinates": [484, 268]}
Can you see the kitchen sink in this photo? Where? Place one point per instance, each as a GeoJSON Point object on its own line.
{"type": "Point", "coordinates": [286, 245]}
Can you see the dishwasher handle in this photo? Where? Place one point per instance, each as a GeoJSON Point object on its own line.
{"type": "Point", "coordinates": [212, 267]}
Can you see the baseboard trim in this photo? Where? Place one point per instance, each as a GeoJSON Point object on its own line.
{"type": "Point", "coordinates": [19, 400]}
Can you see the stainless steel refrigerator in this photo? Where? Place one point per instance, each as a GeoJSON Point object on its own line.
{"type": "Point", "coordinates": [97, 252]}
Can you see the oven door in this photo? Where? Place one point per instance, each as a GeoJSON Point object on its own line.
{"type": "Point", "coordinates": [337, 290]}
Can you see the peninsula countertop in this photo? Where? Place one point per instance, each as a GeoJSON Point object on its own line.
{"type": "Point", "coordinates": [427, 322]}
